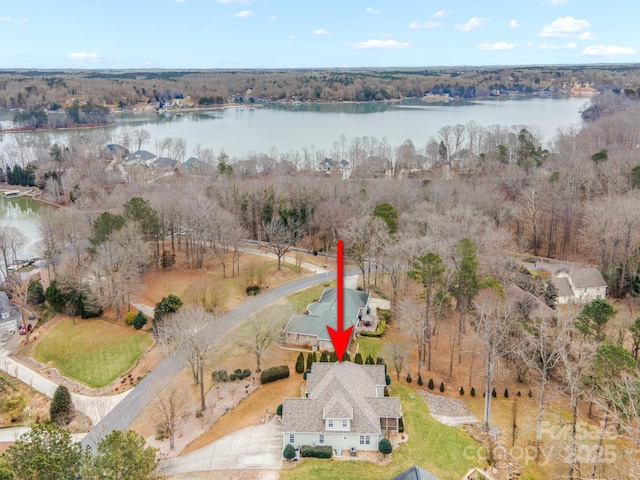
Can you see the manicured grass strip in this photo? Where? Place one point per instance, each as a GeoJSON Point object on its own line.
{"type": "Point", "coordinates": [302, 299]}
{"type": "Point", "coordinates": [435, 447]}
{"type": "Point", "coordinates": [92, 352]}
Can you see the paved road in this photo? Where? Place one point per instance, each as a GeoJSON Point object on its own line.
{"type": "Point", "coordinates": [253, 448]}
{"type": "Point", "coordinates": [130, 407]}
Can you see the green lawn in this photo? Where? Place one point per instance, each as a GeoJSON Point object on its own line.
{"type": "Point", "coordinates": [302, 299]}
{"type": "Point", "coordinates": [435, 447]}
{"type": "Point", "coordinates": [93, 352]}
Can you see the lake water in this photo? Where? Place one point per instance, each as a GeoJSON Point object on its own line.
{"type": "Point", "coordinates": [290, 128]}
{"type": "Point", "coordinates": [22, 213]}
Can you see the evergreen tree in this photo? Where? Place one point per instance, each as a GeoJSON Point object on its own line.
{"type": "Point", "coordinates": [358, 358]}
{"type": "Point", "coordinates": [300, 363]}
{"type": "Point", "coordinates": [289, 452]}
{"type": "Point", "coordinates": [324, 357]}
{"type": "Point", "coordinates": [139, 321]}
{"type": "Point", "coordinates": [384, 446]}
{"type": "Point", "coordinates": [431, 385]}
{"type": "Point", "coordinates": [441, 386]}
{"type": "Point", "coordinates": [61, 410]}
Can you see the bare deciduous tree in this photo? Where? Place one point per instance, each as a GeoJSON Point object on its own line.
{"type": "Point", "coordinates": [167, 409]}
{"type": "Point", "coordinates": [262, 330]}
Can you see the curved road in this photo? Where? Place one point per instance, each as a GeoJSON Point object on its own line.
{"type": "Point", "coordinates": [132, 405]}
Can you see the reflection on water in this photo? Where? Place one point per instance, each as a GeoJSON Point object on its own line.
{"type": "Point", "coordinates": [22, 213]}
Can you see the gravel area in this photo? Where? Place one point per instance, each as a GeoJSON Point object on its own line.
{"type": "Point", "coordinates": [449, 411]}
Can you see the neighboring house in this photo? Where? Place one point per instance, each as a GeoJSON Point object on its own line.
{"type": "Point", "coordinates": [115, 151]}
{"type": "Point", "coordinates": [309, 331]}
{"type": "Point", "coordinates": [165, 163]}
{"type": "Point", "coordinates": [344, 407]}
{"type": "Point", "coordinates": [415, 473]}
{"type": "Point", "coordinates": [193, 164]}
{"type": "Point", "coordinates": [579, 285]}
{"type": "Point", "coordinates": [140, 157]}
{"type": "Point", "coordinates": [373, 167]}
{"type": "Point", "coordinates": [9, 312]}
{"type": "Point", "coordinates": [534, 307]}
{"type": "Point", "coordinates": [330, 165]}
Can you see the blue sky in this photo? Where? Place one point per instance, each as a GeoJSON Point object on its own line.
{"type": "Point", "coordinates": [315, 33]}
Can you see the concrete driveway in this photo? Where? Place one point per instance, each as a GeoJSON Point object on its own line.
{"type": "Point", "coordinates": [252, 448]}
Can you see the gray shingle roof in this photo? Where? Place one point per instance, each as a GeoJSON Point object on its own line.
{"type": "Point", "coordinates": [323, 313]}
{"type": "Point", "coordinates": [343, 389]}
{"type": "Point", "coordinates": [587, 277]}
{"type": "Point", "coordinates": [535, 306]}
{"type": "Point", "coordinates": [415, 473]}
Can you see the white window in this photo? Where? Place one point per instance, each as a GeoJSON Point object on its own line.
{"type": "Point", "coordinates": [365, 440]}
{"type": "Point", "coordinates": [292, 438]}
{"type": "Point", "coordinates": [320, 439]}
{"type": "Point", "coordinates": [330, 423]}
{"type": "Point", "coordinates": [345, 423]}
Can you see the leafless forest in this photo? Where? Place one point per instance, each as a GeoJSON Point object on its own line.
{"type": "Point", "coordinates": [459, 214]}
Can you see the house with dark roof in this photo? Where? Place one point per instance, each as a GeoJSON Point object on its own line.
{"type": "Point", "coordinates": [344, 407]}
{"type": "Point", "coordinates": [115, 151]}
{"type": "Point", "coordinates": [308, 331]}
{"type": "Point", "coordinates": [140, 157]}
{"type": "Point", "coordinates": [579, 285]}
{"type": "Point", "coordinates": [415, 473]}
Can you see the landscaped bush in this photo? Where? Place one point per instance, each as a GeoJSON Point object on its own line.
{"type": "Point", "coordinates": [530, 394]}
{"type": "Point", "coordinates": [420, 382]}
{"type": "Point", "coordinates": [400, 425]}
{"type": "Point", "coordinates": [358, 359]}
{"type": "Point", "coordinates": [387, 379]}
{"type": "Point", "coordinates": [13, 405]}
{"type": "Point", "coordinates": [493, 392]}
{"type": "Point", "coordinates": [461, 390]}
{"type": "Point", "coordinates": [519, 394]}
{"type": "Point", "coordinates": [289, 452]}
{"type": "Point", "coordinates": [274, 373]}
{"type": "Point", "coordinates": [300, 363]}
{"type": "Point", "coordinates": [279, 410]}
{"type": "Point", "coordinates": [346, 357]}
{"type": "Point", "coordinates": [220, 376]}
{"type": "Point", "coordinates": [323, 451]}
{"type": "Point", "coordinates": [253, 290]}
{"type": "Point", "coordinates": [333, 358]}
{"type": "Point", "coordinates": [506, 393]}
{"type": "Point", "coordinates": [246, 373]}
{"type": "Point", "coordinates": [238, 373]}
{"type": "Point", "coordinates": [311, 357]}
{"type": "Point", "coordinates": [128, 318]}
{"type": "Point", "coordinates": [431, 385]}
{"type": "Point", "coordinates": [441, 386]}
{"type": "Point", "coordinates": [369, 360]}
{"type": "Point", "coordinates": [472, 392]}
{"type": "Point", "coordinates": [408, 379]}
{"type": "Point", "coordinates": [324, 357]}
{"type": "Point", "coordinates": [61, 409]}
{"type": "Point", "coordinates": [384, 314]}
{"type": "Point", "coordinates": [306, 373]}
{"type": "Point", "coordinates": [232, 377]}
{"type": "Point", "coordinates": [139, 321]}
{"type": "Point", "coordinates": [384, 446]}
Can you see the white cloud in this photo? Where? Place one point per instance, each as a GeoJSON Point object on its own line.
{"type": "Point", "coordinates": [229, 2]}
{"type": "Point", "coordinates": [558, 2]}
{"type": "Point", "coordinates": [514, 24]}
{"type": "Point", "coordinates": [291, 37]}
{"type": "Point", "coordinates": [372, 11]}
{"type": "Point", "coordinates": [418, 25]}
{"type": "Point", "coordinates": [321, 31]}
{"type": "Point", "coordinates": [243, 14]}
{"type": "Point", "coordinates": [550, 46]}
{"type": "Point", "coordinates": [472, 24]}
{"type": "Point", "coordinates": [272, 18]}
{"type": "Point", "coordinates": [91, 57]}
{"type": "Point", "coordinates": [608, 51]}
{"type": "Point", "coordinates": [586, 36]}
{"type": "Point", "coordinates": [496, 46]}
{"type": "Point", "coordinates": [382, 44]}
{"type": "Point", "coordinates": [563, 27]}
{"type": "Point", "coordinates": [441, 14]}
{"type": "Point", "coordinates": [181, 1]}
{"type": "Point", "coordinates": [13, 20]}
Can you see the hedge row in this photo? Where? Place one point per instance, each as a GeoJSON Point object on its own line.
{"type": "Point", "coordinates": [324, 451]}
{"type": "Point", "coordinates": [222, 375]}
{"type": "Point", "coordinates": [382, 326]}
{"type": "Point", "coordinates": [274, 373]}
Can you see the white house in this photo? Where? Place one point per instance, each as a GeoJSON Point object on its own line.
{"type": "Point", "coordinates": [579, 285]}
{"type": "Point", "coordinates": [344, 408]}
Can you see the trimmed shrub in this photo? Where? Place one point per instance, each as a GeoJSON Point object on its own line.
{"type": "Point", "coordinates": [358, 359]}
{"type": "Point", "coordinates": [306, 372]}
{"type": "Point", "coordinates": [61, 409]}
{"type": "Point", "coordinates": [382, 326]}
{"type": "Point", "coordinates": [472, 392]}
{"type": "Point", "coordinates": [431, 385]}
{"type": "Point", "coordinates": [13, 405]}
{"type": "Point", "coordinates": [232, 377]}
{"type": "Point", "coordinates": [274, 373]}
{"type": "Point", "coordinates": [324, 357]}
{"type": "Point", "coordinates": [408, 379]}
{"type": "Point", "coordinates": [441, 386]}
{"type": "Point", "coordinates": [128, 318]}
{"type": "Point", "coordinates": [384, 314]}
{"type": "Point", "coordinates": [333, 358]}
{"type": "Point", "coordinates": [400, 425]}
{"type": "Point", "coordinates": [506, 393]}
{"type": "Point", "coordinates": [519, 394]}
{"type": "Point", "coordinates": [246, 373]}
{"type": "Point", "coordinates": [384, 446]}
{"type": "Point", "coordinates": [253, 290]}
{"type": "Point", "coordinates": [279, 410]}
{"type": "Point", "coordinates": [386, 392]}
{"type": "Point", "coordinates": [323, 451]}
{"type": "Point", "coordinates": [369, 360]}
{"type": "Point", "coordinates": [220, 376]}
{"type": "Point", "coordinates": [300, 363]}
{"type": "Point", "coordinates": [311, 357]}
{"type": "Point", "coordinates": [289, 452]}
{"type": "Point", "coordinates": [461, 390]}
{"type": "Point", "coordinates": [387, 379]}
{"type": "Point", "coordinates": [493, 392]}
{"type": "Point", "coordinates": [139, 321]}
{"type": "Point", "coordinates": [530, 394]}
{"type": "Point", "coordinates": [420, 382]}
{"type": "Point", "coordinates": [238, 373]}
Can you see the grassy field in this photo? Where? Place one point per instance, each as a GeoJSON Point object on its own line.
{"type": "Point", "coordinates": [435, 447]}
{"type": "Point", "coordinates": [92, 352]}
{"type": "Point", "coordinates": [300, 300]}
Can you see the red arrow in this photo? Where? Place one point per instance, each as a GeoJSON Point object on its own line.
{"type": "Point", "coordinates": [340, 338]}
